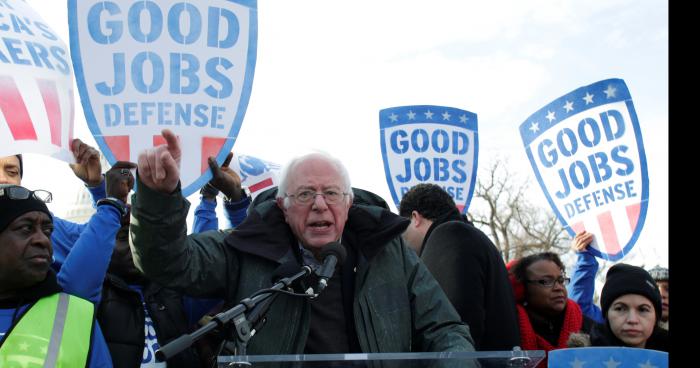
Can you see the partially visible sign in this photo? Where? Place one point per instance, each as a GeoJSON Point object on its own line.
{"type": "Point", "coordinates": [142, 66]}
{"type": "Point", "coordinates": [36, 85]}
{"type": "Point", "coordinates": [587, 152]}
{"type": "Point", "coordinates": [255, 173]}
{"type": "Point", "coordinates": [607, 357]}
{"type": "Point", "coordinates": [430, 144]}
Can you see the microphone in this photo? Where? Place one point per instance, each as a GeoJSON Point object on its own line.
{"type": "Point", "coordinates": [285, 270]}
{"type": "Point", "coordinates": [332, 254]}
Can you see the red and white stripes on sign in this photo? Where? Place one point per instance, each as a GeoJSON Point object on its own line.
{"type": "Point", "coordinates": [120, 145]}
{"type": "Point", "coordinates": [19, 119]}
{"type": "Point", "coordinates": [613, 229]}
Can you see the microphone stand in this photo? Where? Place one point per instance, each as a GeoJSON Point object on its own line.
{"type": "Point", "coordinates": [237, 314]}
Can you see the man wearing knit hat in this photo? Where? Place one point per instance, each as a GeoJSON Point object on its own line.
{"type": "Point", "coordinates": [39, 323]}
{"type": "Point", "coordinates": [87, 168]}
{"type": "Point", "coordinates": [660, 275]}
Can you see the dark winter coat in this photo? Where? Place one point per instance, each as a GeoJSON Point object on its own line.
{"type": "Point", "coordinates": [471, 272]}
{"type": "Point", "coordinates": [122, 318]}
{"type": "Point", "coordinates": [398, 306]}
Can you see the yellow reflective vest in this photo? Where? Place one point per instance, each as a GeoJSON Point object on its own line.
{"type": "Point", "coordinates": [54, 332]}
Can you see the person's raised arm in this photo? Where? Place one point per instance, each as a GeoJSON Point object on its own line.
{"type": "Point", "coordinates": [88, 169]}
{"type": "Point", "coordinates": [159, 167]}
{"type": "Point", "coordinates": [582, 284]}
{"type": "Point", "coordinates": [160, 246]}
{"type": "Point", "coordinates": [85, 266]}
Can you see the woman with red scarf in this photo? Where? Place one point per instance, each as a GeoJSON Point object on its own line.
{"type": "Point", "coordinates": [545, 313]}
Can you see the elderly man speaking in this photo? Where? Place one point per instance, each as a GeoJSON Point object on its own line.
{"type": "Point", "coordinates": [381, 299]}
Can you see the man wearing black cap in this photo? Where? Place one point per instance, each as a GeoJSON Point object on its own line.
{"type": "Point", "coordinates": [87, 168]}
{"type": "Point", "coordinates": [39, 323]}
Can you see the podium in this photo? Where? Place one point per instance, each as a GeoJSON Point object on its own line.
{"type": "Point", "coordinates": [486, 359]}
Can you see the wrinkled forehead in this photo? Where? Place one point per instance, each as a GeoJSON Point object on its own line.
{"type": "Point", "coordinates": [9, 161]}
{"type": "Point", "coordinates": [315, 173]}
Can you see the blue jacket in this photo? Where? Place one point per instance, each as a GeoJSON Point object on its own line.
{"type": "Point", "coordinates": [66, 233]}
{"type": "Point", "coordinates": [583, 285]}
{"type": "Point", "coordinates": [205, 214]}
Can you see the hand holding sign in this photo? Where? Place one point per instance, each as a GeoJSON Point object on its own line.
{"type": "Point", "coordinates": [87, 166]}
{"type": "Point", "coordinates": [225, 179]}
{"type": "Point", "coordinates": [159, 167]}
{"type": "Point", "coordinates": [581, 241]}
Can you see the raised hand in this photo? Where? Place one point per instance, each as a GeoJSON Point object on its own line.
{"type": "Point", "coordinates": [159, 167]}
{"type": "Point", "coordinates": [225, 179]}
{"type": "Point", "coordinates": [119, 180]}
{"type": "Point", "coordinates": [581, 241]}
{"type": "Point", "coordinates": [87, 166]}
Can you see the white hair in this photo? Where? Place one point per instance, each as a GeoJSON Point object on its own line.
{"type": "Point", "coordinates": [294, 162]}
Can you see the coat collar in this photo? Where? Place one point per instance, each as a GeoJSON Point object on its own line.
{"type": "Point", "coordinates": [265, 233]}
{"type": "Point", "coordinates": [48, 286]}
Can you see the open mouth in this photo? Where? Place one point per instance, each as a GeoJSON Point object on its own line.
{"type": "Point", "coordinates": [320, 225]}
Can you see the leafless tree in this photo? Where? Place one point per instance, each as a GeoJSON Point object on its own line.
{"type": "Point", "coordinates": [516, 226]}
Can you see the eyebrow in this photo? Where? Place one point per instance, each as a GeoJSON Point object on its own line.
{"type": "Point", "coordinates": [308, 187]}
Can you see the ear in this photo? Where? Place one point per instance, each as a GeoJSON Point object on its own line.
{"type": "Point", "coordinates": [417, 219]}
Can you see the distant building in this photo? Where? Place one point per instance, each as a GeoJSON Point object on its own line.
{"type": "Point", "coordinates": [81, 210]}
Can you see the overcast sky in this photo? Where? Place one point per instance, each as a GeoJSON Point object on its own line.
{"type": "Point", "coordinates": [325, 68]}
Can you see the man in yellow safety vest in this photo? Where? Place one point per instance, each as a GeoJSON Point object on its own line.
{"type": "Point", "coordinates": [40, 325]}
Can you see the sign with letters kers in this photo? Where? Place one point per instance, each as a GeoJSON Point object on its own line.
{"type": "Point", "coordinates": [587, 152]}
{"type": "Point", "coordinates": [607, 357]}
{"type": "Point", "coordinates": [430, 144]}
{"type": "Point", "coordinates": [36, 85]}
{"type": "Point", "coordinates": [142, 66]}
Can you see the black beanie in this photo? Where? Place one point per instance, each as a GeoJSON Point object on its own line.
{"type": "Point", "coordinates": [625, 279]}
{"type": "Point", "coordinates": [10, 209]}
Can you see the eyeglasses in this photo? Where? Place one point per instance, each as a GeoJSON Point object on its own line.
{"type": "Point", "coordinates": [548, 283]}
{"type": "Point", "coordinates": [20, 193]}
{"type": "Point", "coordinates": [308, 196]}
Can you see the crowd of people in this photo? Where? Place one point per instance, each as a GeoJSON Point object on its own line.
{"type": "Point", "coordinates": [131, 279]}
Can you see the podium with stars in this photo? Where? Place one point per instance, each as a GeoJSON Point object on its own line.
{"type": "Point", "coordinates": [607, 357]}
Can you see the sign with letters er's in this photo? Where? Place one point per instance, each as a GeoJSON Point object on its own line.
{"type": "Point", "coordinates": [36, 85]}
{"type": "Point", "coordinates": [142, 66]}
{"type": "Point", "coordinates": [587, 152]}
{"type": "Point", "coordinates": [430, 144]}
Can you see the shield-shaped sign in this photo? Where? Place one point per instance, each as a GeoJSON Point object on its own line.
{"type": "Point", "coordinates": [142, 66]}
{"type": "Point", "coordinates": [587, 152]}
{"type": "Point", "coordinates": [36, 85]}
{"type": "Point", "coordinates": [256, 174]}
{"type": "Point", "coordinates": [430, 144]}
{"type": "Point", "coordinates": [608, 356]}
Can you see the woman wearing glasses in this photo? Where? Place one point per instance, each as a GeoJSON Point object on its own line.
{"type": "Point", "coordinates": [546, 315]}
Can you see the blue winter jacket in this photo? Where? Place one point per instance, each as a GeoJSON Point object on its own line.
{"type": "Point", "coordinates": [205, 214]}
{"type": "Point", "coordinates": [582, 285]}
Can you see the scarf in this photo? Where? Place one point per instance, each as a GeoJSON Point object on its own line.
{"type": "Point", "coordinates": [530, 340]}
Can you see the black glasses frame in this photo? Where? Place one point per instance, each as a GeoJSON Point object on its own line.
{"type": "Point", "coordinates": [22, 193]}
